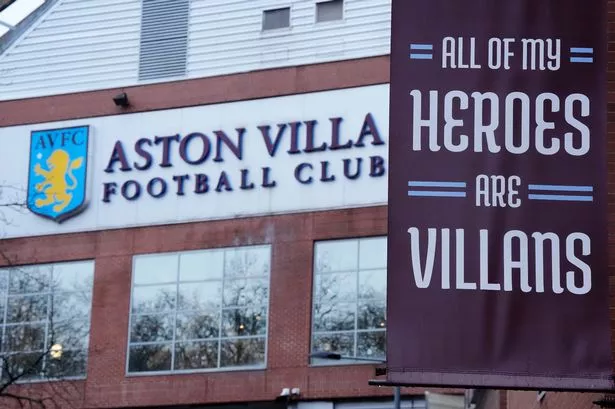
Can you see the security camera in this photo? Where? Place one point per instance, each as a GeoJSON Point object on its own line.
{"type": "Point", "coordinates": [121, 100]}
{"type": "Point", "coordinates": [285, 392]}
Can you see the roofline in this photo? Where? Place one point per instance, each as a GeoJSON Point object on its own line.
{"type": "Point", "coordinates": [12, 35]}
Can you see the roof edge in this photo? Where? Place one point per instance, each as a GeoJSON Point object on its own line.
{"type": "Point", "coordinates": [9, 38]}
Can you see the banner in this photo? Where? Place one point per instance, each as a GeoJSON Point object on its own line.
{"type": "Point", "coordinates": [497, 195]}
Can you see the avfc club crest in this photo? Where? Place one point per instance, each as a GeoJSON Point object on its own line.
{"type": "Point", "coordinates": [57, 177]}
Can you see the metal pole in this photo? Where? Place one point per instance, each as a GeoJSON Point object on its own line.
{"type": "Point", "coordinates": [397, 397]}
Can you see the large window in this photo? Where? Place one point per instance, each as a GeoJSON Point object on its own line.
{"type": "Point", "coordinates": [199, 310]}
{"type": "Point", "coordinates": [45, 320]}
{"type": "Point", "coordinates": [349, 302]}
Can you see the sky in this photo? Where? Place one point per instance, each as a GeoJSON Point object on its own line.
{"type": "Point", "coordinates": [16, 12]}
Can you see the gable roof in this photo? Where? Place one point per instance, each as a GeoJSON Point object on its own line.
{"type": "Point", "coordinates": [9, 38]}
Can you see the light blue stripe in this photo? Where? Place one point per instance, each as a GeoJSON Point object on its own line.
{"type": "Point", "coordinates": [417, 183]}
{"type": "Point", "coordinates": [581, 50]}
{"type": "Point", "coordinates": [418, 193]}
{"type": "Point", "coordinates": [562, 198]}
{"type": "Point", "coordinates": [562, 188]}
{"type": "Point", "coordinates": [421, 46]}
{"type": "Point", "coordinates": [581, 59]}
{"type": "Point", "coordinates": [421, 56]}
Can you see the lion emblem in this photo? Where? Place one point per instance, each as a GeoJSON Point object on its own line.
{"type": "Point", "coordinates": [55, 187]}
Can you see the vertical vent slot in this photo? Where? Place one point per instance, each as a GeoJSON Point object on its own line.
{"type": "Point", "coordinates": [164, 38]}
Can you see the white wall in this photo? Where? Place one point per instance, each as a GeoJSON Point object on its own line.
{"type": "Point", "coordinates": [88, 45]}
{"type": "Point", "coordinates": [288, 196]}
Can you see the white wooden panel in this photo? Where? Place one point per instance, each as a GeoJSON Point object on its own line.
{"type": "Point", "coordinates": [96, 42]}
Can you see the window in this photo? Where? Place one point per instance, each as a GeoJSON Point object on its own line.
{"type": "Point", "coordinates": [276, 18]}
{"type": "Point", "coordinates": [199, 310]}
{"type": "Point", "coordinates": [45, 312]}
{"type": "Point", "coordinates": [349, 302]}
{"type": "Point", "coordinates": [329, 10]}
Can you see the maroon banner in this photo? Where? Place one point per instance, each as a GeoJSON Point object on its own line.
{"type": "Point", "coordinates": [497, 195]}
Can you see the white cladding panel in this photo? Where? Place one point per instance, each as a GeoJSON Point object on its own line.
{"type": "Point", "coordinates": [288, 195]}
{"type": "Point", "coordinates": [84, 45]}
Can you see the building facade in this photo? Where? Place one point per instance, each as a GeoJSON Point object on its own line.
{"type": "Point", "coordinates": [194, 202]}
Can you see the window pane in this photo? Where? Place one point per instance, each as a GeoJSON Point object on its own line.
{"type": "Point", "coordinates": [240, 352]}
{"type": "Point", "coordinates": [73, 277]}
{"type": "Point", "coordinates": [334, 288]}
{"type": "Point", "coordinates": [200, 296]}
{"type": "Point", "coordinates": [197, 325]}
{"type": "Point", "coordinates": [65, 306]}
{"type": "Point", "coordinates": [196, 355]}
{"type": "Point", "coordinates": [247, 262]}
{"type": "Point", "coordinates": [334, 317]}
{"type": "Point", "coordinates": [4, 282]}
{"type": "Point", "coordinates": [27, 308]}
{"type": "Point", "coordinates": [147, 358]}
{"type": "Point", "coordinates": [198, 266]}
{"type": "Point", "coordinates": [373, 284]}
{"type": "Point", "coordinates": [152, 328]}
{"type": "Point", "coordinates": [339, 343]}
{"type": "Point", "coordinates": [153, 269]}
{"type": "Point", "coordinates": [373, 253]}
{"type": "Point", "coordinates": [30, 365]}
{"type": "Point", "coordinates": [329, 10]}
{"type": "Point", "coordinates": [371, 344]}
{"type": "Point", "coordinates": [245, 292]}
{"type": "Point", "coordinates": [244, 322]}
{"type": "Point", "coordinates": [336, 256]}
{"type": "Point", "coordinates": [154, 298]}
{"type": "Point", "coordinates": [69, 363]}
{"type": "Point", "coordinates": [29, 279]}
{"type": "Point", "coordinates": [372, 315]}
{"type": "Point", "coordinates": [24, 338]}
{"type": "Point", "coordinates": [278, 18]}
{"type": "Point", "coordinates": [2, 308]}
{"type": "Point", "coordinates": [72, 334]}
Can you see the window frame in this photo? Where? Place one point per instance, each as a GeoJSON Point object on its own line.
{"type": "Point", "coordinates": [327, 22]}
{"type": "Point", "coordinates": [279, 30]}
{"type": "Point", "coordinates": [176, 311]}
{"type": "Point", "coordinates": [317, 362]}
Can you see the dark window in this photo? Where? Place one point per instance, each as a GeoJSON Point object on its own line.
{"type": "Point", "coordinates": [329, 10]}
{"type": "Point", "coordinates": [277, 18]}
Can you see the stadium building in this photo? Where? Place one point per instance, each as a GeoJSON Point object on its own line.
{"type": "Point", "coordinates": [193, 206]}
